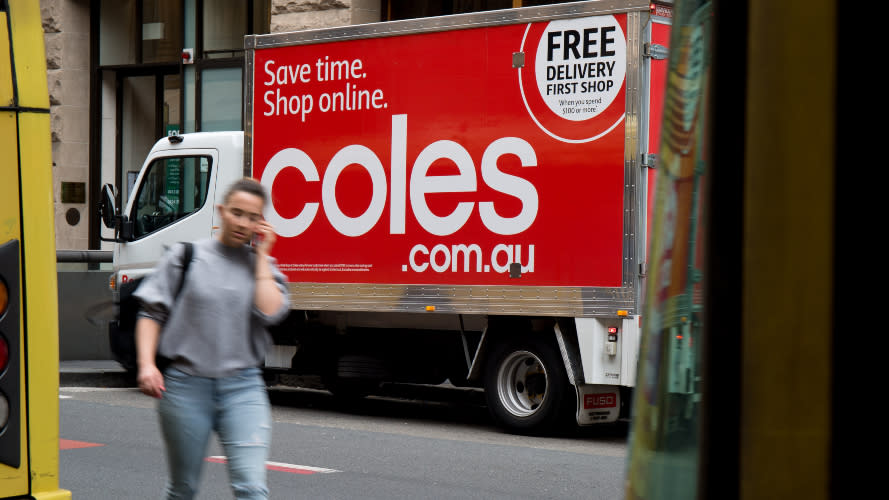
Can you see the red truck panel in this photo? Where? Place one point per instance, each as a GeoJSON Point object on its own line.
{"type": "Point", "coordinates": [430, 159]}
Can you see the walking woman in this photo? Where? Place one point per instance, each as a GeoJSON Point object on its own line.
{"type": "Point", "coordinates": [211, 335]}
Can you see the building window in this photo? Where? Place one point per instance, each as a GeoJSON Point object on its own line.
{"type": "Point", "coordinates": [218, 70]}
{"type": "Point", "coordinates": [142, 89]}
{"type": "Point", "coordinates": [221, 105]}
{"type": "Point", "coordinates": [119, 32]}
{"type": "Point", "coordinates": [137, 32]}
{"type": "Point", "coordinates": [225, 24]}
{"type": "Point", "coordinates": [161, 31]}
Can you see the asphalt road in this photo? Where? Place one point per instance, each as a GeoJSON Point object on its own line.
{"type": "Point", "coordinates": [443, 446]}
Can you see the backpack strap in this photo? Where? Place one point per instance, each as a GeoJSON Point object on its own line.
{"type": "Point", "coordinates": [186, 262]}
{"type": "Point", "coordinates": [161, 361]}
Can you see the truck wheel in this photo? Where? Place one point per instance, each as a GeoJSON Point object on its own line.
{"type": "Point", "coordinates": [526, 387]}
{"type": "Point", "coordinates": [356, 376]}
{"type": "Point", "coordinates": [348, 390]}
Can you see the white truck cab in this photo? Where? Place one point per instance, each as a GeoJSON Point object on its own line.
{"type": "Point", "coordinates": [175, 197]}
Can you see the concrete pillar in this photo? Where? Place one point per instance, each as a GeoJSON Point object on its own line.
{"type": "Point", "coordinates": [66, 25]}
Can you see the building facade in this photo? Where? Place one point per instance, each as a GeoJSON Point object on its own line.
{"type": "Point", "coordinates": [123, 73]}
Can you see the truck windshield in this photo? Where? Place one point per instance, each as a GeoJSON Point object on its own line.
{"type": "Point", "coordinates": [171, 189]}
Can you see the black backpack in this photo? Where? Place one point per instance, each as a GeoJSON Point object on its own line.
{"type": "Point", "coordinates": [122, 333]}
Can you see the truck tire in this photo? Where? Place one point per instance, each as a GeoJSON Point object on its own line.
{"type": "Point", "coordinates": [526, 387]}
{"type": "Point", "coordinates": [356, 376]}
{"type": "Point", "coordinates": [347, 391]}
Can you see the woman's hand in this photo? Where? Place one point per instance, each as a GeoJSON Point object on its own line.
{"type": "Point", "coordinates": [266, 236]}
{"type": "Point", "coordinates": [151, 381]}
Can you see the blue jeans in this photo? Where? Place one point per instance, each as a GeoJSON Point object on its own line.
{"type": "Point", "coordinates": [237, 409]}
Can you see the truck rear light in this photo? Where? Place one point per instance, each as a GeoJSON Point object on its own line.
{"type": "Point", "coordinates": [112, 282]}
{"type": "Point", "coordinates": [611, 343]}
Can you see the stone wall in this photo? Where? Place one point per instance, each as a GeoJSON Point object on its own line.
{"type": "Point", "coordinates": [66, 25]}
{"type": "Point", "coordinates": [294, 15]}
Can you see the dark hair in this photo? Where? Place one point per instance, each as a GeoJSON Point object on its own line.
{"type": "Point", "coordinates": [247, 185]}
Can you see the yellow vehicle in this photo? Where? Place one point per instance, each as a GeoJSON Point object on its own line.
{"type": "Point", "coordinates": [29, 354]}
{"type": "Point", "coordinates": [740, 393]}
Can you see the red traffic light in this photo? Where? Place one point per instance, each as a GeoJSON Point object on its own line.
{"type": "Point", "coordinates": [4, 297]}
{"type": "Point", "coordinates": [4, 353]}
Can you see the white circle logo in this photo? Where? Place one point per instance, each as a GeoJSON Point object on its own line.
{"type": "Point", "coordinates": [580, 66]}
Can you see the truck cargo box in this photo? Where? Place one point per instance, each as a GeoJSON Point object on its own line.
{"type": "Point", "coordinates": [479, 163]}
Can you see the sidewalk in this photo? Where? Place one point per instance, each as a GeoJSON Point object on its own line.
{"type": "Point", "coordinates": [93, 373]}
{"type": "Point", "coordinates": [107, 373]}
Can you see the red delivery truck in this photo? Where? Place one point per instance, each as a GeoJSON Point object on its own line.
{"type": "Point", "coordinates": [458, 199]}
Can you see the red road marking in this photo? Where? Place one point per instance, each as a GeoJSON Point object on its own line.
{"type": "Point", "coordinates": [291, 470]}
{"type": "Point", "coordinates": [69, 444]}
{"type": "Point", "coordinates": [282, 467]}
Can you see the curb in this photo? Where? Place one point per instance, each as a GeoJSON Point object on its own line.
{"type": "Point", "coordinates": [93, 374]}
{"type": "Point", "coordinates": [107, 374]}
{"type": "Point", "coordinates": [95, 380]}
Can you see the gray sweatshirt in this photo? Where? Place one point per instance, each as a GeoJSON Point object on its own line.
{"type": "Point", "coordinates": [215, 328]}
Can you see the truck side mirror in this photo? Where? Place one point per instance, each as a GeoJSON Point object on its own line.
{"type": "Point", "coordinates": [126, 229]}
{"type": "Point", "coordinates": [108, 207]}
{"type": "Point", "coordinates": [123, 228]}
